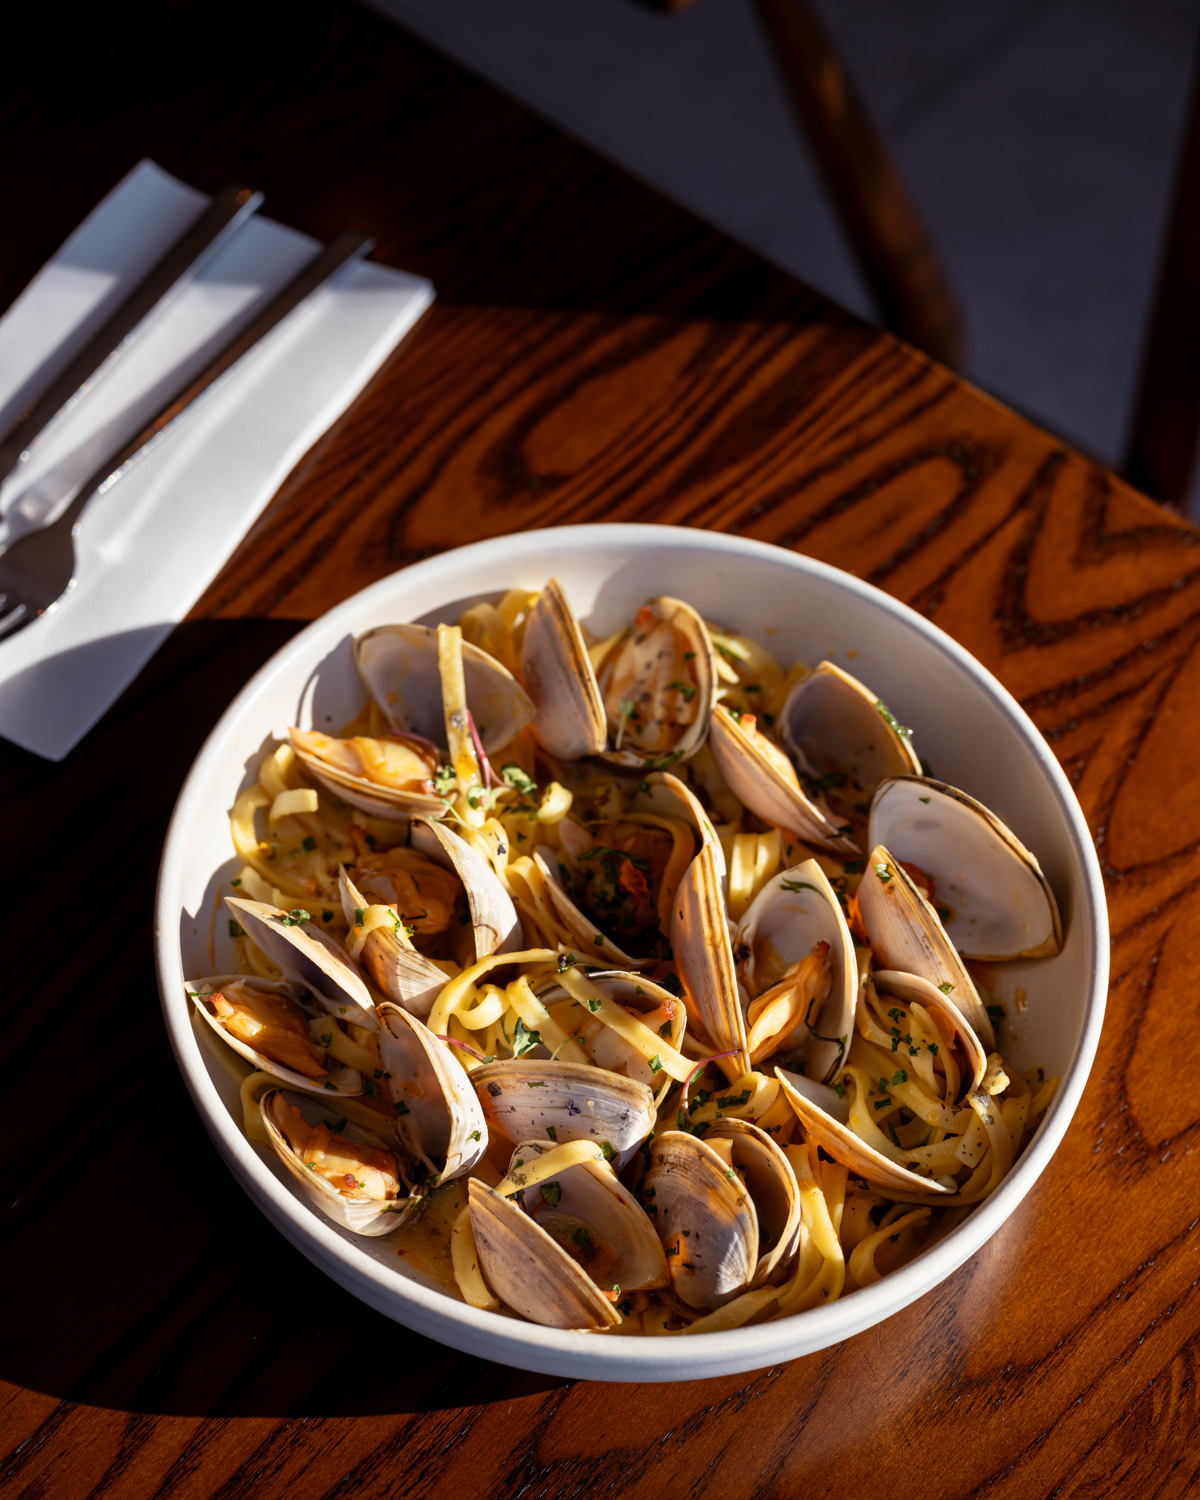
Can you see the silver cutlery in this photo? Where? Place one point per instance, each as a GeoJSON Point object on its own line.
{"type": "Point", "coordinates": [229, 209]}
{"type": "Point", "coordinates": [39, 567]}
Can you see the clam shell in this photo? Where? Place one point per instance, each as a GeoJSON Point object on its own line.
{"type": "Point", "coordinates": [303, 954]}
{"type": "Point", "coordinates": [365, 1216]}
{"type": "Point", "coordinates": [844, 1146]}
{"type": "Point", "coordinates": [790, 915]}
{"type": "Point", "coordinates": [906, 933]}
{"type": "Point", "coordinates": [705, 1219]}
{"type": "Point", "coordinates": [764, 780]}
{"type": "Point", "coordinates": [832, 723]}
{"type": "Point", "coordinates": [392, 804]}
{"type": "Point", "coordinates": [342, 1080]}
{"type": "Point", "coordinates": [769, 1178]}
{"type": "Point", "coordinates": [704, 956]}
{"type": "Point", "coordinates": [437, 1114]}
{"type": "Point", "coordinates": [398, 665]}
{"type": "Point", "coordinates": [663, 665]}
{"type": "Point", "coordinates": [956, 1032]}
{"type": "Point", "coordinates": [529, 1271]}
{"type": "Point", "coordinates": [999, 904]}
{"type": "Point", "coordinates": [583, 935]}
{"type": "Point", "coordinates": [532, 1099]}
{"type": "Point", "coordinates": [400, 971]}
{"type": "Point", "coordinates": [569, 719]}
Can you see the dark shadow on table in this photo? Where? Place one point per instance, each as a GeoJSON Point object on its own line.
{"type": "Point", "coordinates": [369, 126]}
{"type": "Point", "coordinates": [139, 1276]}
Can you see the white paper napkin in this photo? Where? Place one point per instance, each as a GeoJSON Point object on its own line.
{"type": "Point", "coordinates": [148, 547]}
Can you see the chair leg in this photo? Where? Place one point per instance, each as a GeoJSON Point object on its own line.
{"type": "Point", "coordinates": [893, 250]}
{"type": "Point", "coordinates": [1166, 425]}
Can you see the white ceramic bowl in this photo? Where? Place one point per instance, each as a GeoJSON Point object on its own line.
{"type": "Point", "coordinates": [970, 730]}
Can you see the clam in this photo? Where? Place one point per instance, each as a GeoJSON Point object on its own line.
{"type": "Point", "coordinates": [439, 894]}
{"type": "Point", "coordinates": [572, 1243]}
{"type": "Point", "coordinates": [264, 1022]}
{"type": "Point", "coordinates": [307, 957]}
{"type": "Point", "coordinates": [906, 933]}
{"type": "Point", "coordinates": [534, 1099]}
{"type": "Point", "coordinates": [398, 665]}
{"type": "Point", "coordinates": [995, 902]}
{"type": "Point", "coordinates": [704, 956]}
{"type": "Point", "coordinates": [569, 719]}
{"type": "Point", "coordinates": [762, 777]}
{"type": "Point", "coordinates": [388, 776]}
{"type": "Point", "coordinates": [354, 1177]}
{"type": "Point", "coordinates": [964, 1061]}
{"type": "Point", "coordinates": [795, 961]}
{"type": "Point", "coordinates": [726, 1209]}
{"type": "Point", "coordinates": [844, 737]}
{"type": "Point", "coordinates": [437, 1115]}
{"type": "Point", "coordinates": [646, 704]}
{"type": "Point", "coordinates": [818, 1109]}
{"type": "Point", "coordinates": [623, 1024]}
{"type": "Point", "coordinates": [657, 683]}
{"type": "Point", "coordinates": [611, 884]}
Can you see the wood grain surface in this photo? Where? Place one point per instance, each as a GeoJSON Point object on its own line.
{"type": "Point", "coordinates": [594, 354]}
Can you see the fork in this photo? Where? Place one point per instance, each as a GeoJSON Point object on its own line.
{"type": "Point", "coordinates": [38, 569]}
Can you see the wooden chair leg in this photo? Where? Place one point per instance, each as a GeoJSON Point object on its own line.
{"type": "Point", "coordinates": [893, 250]}
{"type": "Point", "coordinates": [1161, 455]}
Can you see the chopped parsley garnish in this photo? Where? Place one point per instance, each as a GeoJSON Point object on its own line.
{"type": "Point", "coordinates": [797, 885]}
{"type": "Point", "coordinates": [551, 1193]}
{"type": "Point", "coordinates": [360, 913]}
{"type": "Point", "coordinates": [518, 779]}
{"type": "Point", "coordinates": [308, 843]}
{"type": "Point", "coordinates": [883, 870]}
{"type": "Point", "coordinates": [444, 780]}
{"type": "Point", "coordinates": [296, 917]}
{"type": "Point", "coordinates": [656, 1064]}
{"type": "Point", "coordinates": [235, 929]}
{"type": "Point", "coordinates": [890, 718]}
{"type": "Point", "coordinates": [524, 1040]}
{"type": "Point", "coordinates": [946, 987]}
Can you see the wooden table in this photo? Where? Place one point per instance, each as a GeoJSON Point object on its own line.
{"type": "Point", "coordinates": [594, 354]}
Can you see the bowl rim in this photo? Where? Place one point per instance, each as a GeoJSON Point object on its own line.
{"type": "Point", "coordinates": [563, 1352]}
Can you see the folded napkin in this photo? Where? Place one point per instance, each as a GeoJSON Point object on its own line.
{"type": "Point", "coordinates": [148, 546]}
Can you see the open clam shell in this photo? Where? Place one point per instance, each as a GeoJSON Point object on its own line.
{"type": "Point", "coordinates": [966, 1054]}
{"type": "Point", "coordinates": [576, 1240]}
{"type": "Point", "coordinates": [534, 1099]}
{"type": "Point", "coordinates": [760, 775]}
{"type": "Point", "coordinates": [390, 778]}
{"type": "Point", "coordinates": [437, 1113]}
{"type": "Point", "coordinates": [793, 919]}
{"type": "Point", "coordinates": [648, 703]}
{"type": "Point", "coordinates": [624, 1024]}
{"type": "Point", "coordinates": [657, 683]}
{"type": "Point", "coordinates": [704, 956]}
{"type": "Point", "coordinates": [997, 903]}
{"type": "Point", "coordinates": [495, 925]}
{"type": "Point", "coordinates": [354, 1177]}
{"type": "Point", "coordinates": [569, 719]}
{"type": "Point", "coordinates": [835, 726]}
{"type": "Point", "coordinates": [300, 1045]}
{"type": "Point", "coordinates": [580, 933]}
{"type": "Point", "coordinates": [906, 933]}
{"type": "Point", "coordinates": [390, 956]}
{"type": "Point", "coordinates": [304, 955]}
{"type": "Point", "coordinates": [840, 1142]}
{"type": "Point", "coordinates": [398, 665]}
